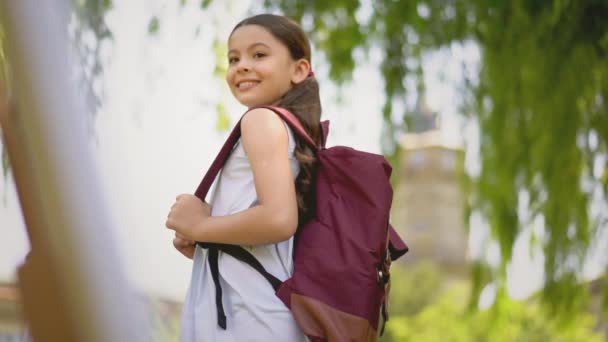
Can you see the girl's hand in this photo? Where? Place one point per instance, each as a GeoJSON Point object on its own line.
{"type": "Point", "coordinates": [186, 215]}
{"type": "Point", "coordinates": [184, 246]}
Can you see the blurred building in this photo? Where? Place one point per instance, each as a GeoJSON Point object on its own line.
{"type": "Point", "coordinates": [428, 205]}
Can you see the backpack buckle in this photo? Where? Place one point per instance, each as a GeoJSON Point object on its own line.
{"type": "Point", "coordinates": [383, 274]}
{"type": "Point", "coordinates": [383, 277]}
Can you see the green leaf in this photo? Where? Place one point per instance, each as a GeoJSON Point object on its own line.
{"type": "Point", "coordinates": [223, 119]}
{"type": "Point", "coordinates": [220, 51]}
{"type": "Point", "coordinates": [205, 4]}
{"type": "Point", "coordinates": [6, 166]}
{"type": "Point", "coordinates": [153, 25]}
{"type": "Point", "coordinates": [605, 296]}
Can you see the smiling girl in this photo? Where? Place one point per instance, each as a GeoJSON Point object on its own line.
{"type": "Point", "coordinates": [263, 192]}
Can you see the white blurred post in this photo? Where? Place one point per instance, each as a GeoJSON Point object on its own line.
{"type": "Point", "coordinates": [73, 286]}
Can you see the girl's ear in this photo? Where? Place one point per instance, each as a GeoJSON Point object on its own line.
{"type": "Point", "coordinates": [300, 73]}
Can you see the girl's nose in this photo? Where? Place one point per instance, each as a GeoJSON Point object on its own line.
{"type": "Point", "coordinates": [244, 66]}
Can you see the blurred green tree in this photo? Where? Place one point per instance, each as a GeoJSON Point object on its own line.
{"type": "Point", "coordinates": [539, 98]}
{"type": "Point", "coordinates": [448, 320]}
{"type": "Point", "coordinates": [88, 31]}
{"type": "Point", "coordinates": [414, 288]}
{"type": "Point", "coordinates": [425, 306]}
{"type": "Point", "coordinates": [4, 81]}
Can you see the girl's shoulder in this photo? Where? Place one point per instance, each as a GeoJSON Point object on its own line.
{"type": "Point", "coordinates": [260, 117]}
{"type": "Point", "coordinates": [263, 128]}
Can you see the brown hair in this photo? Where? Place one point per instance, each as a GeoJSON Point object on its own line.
{"type": "Point", "coordinates": [302, 100]}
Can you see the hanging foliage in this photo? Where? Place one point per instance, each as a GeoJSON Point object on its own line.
{"type": "Point", "coordinates": [539, 100]}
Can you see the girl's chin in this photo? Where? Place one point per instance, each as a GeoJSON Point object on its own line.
{"type": "Point", "coordinates": [249, 101]}
{"type": "Point", "coordinates": [253, 103]}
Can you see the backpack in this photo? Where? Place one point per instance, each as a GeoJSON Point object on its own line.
{"type": "Point", "coordinates": [340, 283]}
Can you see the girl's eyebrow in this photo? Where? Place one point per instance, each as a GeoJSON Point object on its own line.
{"type": "Point", "coordinates": [250, 47]}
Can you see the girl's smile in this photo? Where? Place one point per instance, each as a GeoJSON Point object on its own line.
{"type": "Point", "coordinates": [246, 84]}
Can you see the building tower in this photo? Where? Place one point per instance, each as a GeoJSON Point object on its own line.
{"type": "Point", "coordinates": [428, 205]}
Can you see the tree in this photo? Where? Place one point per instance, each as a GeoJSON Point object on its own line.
{"type": "Point", "coordinates": [539, 100]}
{"type": "Point", "coordinates": [426, 306]}
{"type": "Point", "coordinates": [448, 320]}
{"type": "Point", "coordinates": [3, 81]}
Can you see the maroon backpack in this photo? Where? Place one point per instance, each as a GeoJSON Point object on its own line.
{"type": "Point", "coordinates": [340, 282]}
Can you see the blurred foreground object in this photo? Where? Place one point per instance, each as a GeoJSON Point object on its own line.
{"type": "Point", "coordinates": [11, 324]}
{"type": "Point", "coordinates": [72, 284]}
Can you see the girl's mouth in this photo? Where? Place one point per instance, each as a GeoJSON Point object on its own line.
{"type": "Point", "coordinates": [245, 85]}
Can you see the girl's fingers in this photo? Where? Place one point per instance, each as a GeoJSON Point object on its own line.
{"type": "Point", "coordinates": [187, 250]}
{"type": "Point", "coordinates": [178, 235]}
{"type": "Point", "coordinates": [182, 242]}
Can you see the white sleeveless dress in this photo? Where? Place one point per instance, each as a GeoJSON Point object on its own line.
{"type": "Point", "coordinates": [253, 311]}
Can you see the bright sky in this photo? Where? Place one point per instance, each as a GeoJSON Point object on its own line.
{"type": "Point", "coordinates": [156, 133]}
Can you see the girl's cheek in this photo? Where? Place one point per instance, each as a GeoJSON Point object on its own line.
{"type": "Point", "coordinates": [229, 75]}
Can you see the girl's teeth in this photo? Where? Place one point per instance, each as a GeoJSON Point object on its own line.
{"type": "Point", "coordinates": [247, 84]}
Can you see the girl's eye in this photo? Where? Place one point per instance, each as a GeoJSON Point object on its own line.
{"type": "Point", "coordinates": [232, 60]}
{"type": "Point", "coordinates": [259, 55]}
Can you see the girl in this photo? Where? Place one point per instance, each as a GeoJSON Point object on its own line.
{"type": "Point", "coordinates": [256, 203]}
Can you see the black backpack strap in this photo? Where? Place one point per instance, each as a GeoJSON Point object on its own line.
{"type": "Point", "coordinates": [396, 246]}
{"type": "Point", "coordinates": [240, 254]}
{"type": "Point", "coordinates": [243, 255]}
{"type": "Point", "coordinates": [213, 265]}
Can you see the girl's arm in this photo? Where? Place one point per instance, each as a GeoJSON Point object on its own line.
{"type": "Point", "coordinates": [275, 218]}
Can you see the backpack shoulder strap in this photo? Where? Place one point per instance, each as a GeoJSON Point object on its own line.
{"type": "Point", "coordinates": [222, 157]}
{"type": "Point", "coordinates": [218, 162]}
{"type": "Point", "coordinates": [294, 123]}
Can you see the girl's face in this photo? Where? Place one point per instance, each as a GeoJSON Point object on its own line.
{"type": "Point", "coordinates": [260, 68]}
